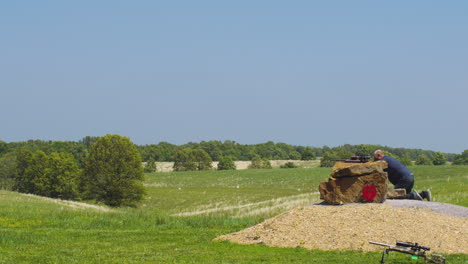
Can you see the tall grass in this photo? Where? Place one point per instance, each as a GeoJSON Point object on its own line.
{"type": "Point", "coordinates": [182, 214]}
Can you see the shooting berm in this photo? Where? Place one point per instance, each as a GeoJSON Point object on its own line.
{"type": "Point", "coordinates": [358, 207]}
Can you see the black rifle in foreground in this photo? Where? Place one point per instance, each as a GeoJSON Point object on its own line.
{"type": "Point", "coordinates": [354, 159]}
{"type": "Point", "coordinates": [413, 249]}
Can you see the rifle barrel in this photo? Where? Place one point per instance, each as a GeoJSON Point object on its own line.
{"type": "Point", "coordinates": [380, 244]}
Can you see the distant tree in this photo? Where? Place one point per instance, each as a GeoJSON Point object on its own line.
{"type": "Point", "coordinates": [288, 165]}
{"type": "Point", "coordinates": [308, 154]}
{"type": "Point", "coordinates": [461, 159]}
{"type": "Point", "coordinates": [113, 172]}
{"type": "Point", "coordinates": [439, 159]}
{"type": "Point", "coordinates": [258, 163]}
{"type": "Point", "coordinates": [226, 163]}
{"type": "Point", "coordinates": [423, 160]}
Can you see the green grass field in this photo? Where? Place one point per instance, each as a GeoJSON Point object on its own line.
{"type": "Point", "coordinates": [182, 214]}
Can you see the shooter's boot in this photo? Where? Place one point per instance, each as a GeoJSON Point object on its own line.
{"type": "Point", "coordinates": [414, 195]}
{"type": "Point", "coordinates": [426, 195]}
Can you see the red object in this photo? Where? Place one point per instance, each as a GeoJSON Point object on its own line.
{"type": "Point", "coordinates": [369, 192]}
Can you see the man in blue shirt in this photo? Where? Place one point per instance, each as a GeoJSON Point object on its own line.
{"type": "Point", "coordinates": [401, 177]}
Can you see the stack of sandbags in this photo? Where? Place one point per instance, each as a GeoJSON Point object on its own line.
{"type": "Point", "coordinates": [355, 183]}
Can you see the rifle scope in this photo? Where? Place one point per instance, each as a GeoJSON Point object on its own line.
{"type": "Point", "coordinates": [412, 245]}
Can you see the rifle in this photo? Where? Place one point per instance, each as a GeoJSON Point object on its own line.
{"type": "Point", "coordinates": [355, 159]}
{"type": "Point", "coordinates": [413, 249]}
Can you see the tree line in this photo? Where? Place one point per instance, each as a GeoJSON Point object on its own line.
{"type": "Point", "coordinates": [110, 169]}
{"type": "Point", "coordinates": [275, 151]}
{"type": "Point", "coordinates": [217, 150]}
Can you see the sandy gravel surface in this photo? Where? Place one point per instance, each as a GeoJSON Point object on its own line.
{"type": "Point", "coordinates": [351, 226]}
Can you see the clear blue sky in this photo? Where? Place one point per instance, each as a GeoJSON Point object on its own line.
{"type": "Point", "coordinates": [309, 73]}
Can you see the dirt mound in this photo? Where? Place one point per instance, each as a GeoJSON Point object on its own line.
{"type": "Point", "coordinates": [351, 226]}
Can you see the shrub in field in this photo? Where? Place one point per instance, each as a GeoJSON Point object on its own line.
{"type": "Point", "coordinates": [423, 160]}
{"type": "Point", "coordinates": [226, 163]}
{"type": "Point", "coordinates": [113, 172]}
{"type": "Point", "coordinates": [202, 160]}
{"type": "Point", "coordinates": [150, 165]}
{"type": "Point", "coordinates": [461, 159]}
{"type": "Point", "coordinates": [439, 159]}
{"type": "Point", "coordinates": [259, 163]}
{"type": "Point", "coordinates": [288, 165]}
{"type": "Point", "coordinates": [55, 175]}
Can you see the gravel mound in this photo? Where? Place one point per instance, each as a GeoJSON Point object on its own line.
{"type": "Point", "coordinates": [442, 227]}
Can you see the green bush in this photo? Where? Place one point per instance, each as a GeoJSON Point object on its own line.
{"type": "Point", "coordinates": [439, 159]}
{"type": "Point", "coordinates": [202, 160]}
{"type": "Point", "coordinates": [150, 166]}
{"type": "Point", "coordinates": [259, 163]}
{"type": "Point", "coordinates": [226, 163]}
{"type": "Point", "coordinates": [288, 165]}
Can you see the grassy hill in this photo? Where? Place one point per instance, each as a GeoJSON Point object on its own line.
{"type": "Point", "coordinates": [183, 212]}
